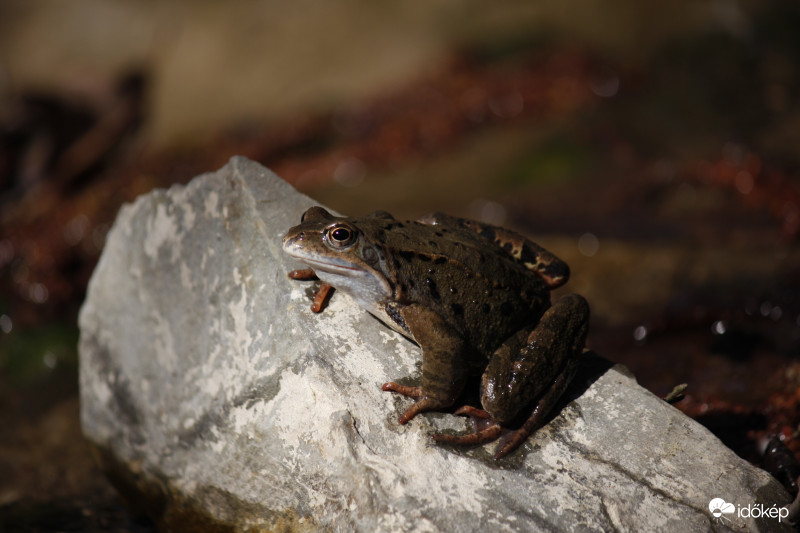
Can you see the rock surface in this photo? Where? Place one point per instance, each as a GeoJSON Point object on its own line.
{"type": "Point", "coordinates": [216, 399]}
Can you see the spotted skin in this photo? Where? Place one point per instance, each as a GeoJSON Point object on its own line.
{"type": "Point", "coordinates": [552, 270]}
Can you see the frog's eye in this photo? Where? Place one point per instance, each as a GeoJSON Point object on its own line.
{"type": "Point", "coordinates": [340, 236]}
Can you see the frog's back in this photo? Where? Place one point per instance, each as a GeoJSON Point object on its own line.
{"type": "Point", "coordinates": [471, 282]}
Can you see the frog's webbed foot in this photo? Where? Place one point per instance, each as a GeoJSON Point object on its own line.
{"type": "Point", "coordinates": [321, 296]}
{"type": "Point", "coordinates": [486, 430]}
{"type": "Point", "coordinates": [423, 403]}
{"type": "Point", "coordinates": [491, 430]}
{"type": "Point", "coordinates": [487, 434]}
{"type": "Point", "coordinates": [514, 439]}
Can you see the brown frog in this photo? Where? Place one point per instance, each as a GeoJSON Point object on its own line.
{"type": "Point", "coordinates": [475, 297]}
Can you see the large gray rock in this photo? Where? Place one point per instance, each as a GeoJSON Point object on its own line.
{"type": "Point", "coordinates": [215, 398]}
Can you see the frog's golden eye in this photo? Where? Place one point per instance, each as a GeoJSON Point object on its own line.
{"type": "Point", "coordinates": [340, 236]}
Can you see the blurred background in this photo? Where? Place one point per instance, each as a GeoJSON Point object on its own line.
{"type": "Point", "coordinates": [653, 146]}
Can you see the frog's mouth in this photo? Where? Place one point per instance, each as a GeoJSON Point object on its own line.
{"type": "Point", "coordinates": [326, 266]}
{"type": "Point", "coordinates": [292, 248]}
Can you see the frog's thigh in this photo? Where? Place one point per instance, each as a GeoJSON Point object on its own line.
{"type": "Point", "coordinates": [524, 369]}
{"type": "Point", "coordinates": [444, 368]}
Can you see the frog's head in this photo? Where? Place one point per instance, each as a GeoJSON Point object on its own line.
{"type": "Point", "coordinates": [340, 252]}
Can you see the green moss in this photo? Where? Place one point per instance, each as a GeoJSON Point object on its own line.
{"type": "Point", "coordinates": [556, 160]}
{"type": "Point", "coordinates": [29, 354]}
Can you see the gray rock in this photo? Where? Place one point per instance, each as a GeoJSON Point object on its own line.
{"type": "Point", "coordinates": [215, 399]}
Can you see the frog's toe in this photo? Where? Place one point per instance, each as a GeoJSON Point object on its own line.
{"type": "Point", "coordinates": [321, 297]}
{"type": "Point", "coordinates": [426, 403]}
{"type": "Point", "coordinates": [405, 390]}
{"type": "Point", "coordinates": [303, 274]}
{"type": "Point", "coordinates": [510, 442]}
{"type": "Point", "coordinates": [468, 410]}
{"type": "Point", "coordinates": [423, 403]}
{"type": "Point", "coordinates": [483, 436]}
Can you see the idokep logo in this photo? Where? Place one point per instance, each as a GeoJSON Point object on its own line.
{"type": "Point", "coordinates": [719, 508]}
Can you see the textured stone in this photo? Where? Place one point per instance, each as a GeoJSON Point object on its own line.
{"type": "Point", "coordinates": [216, 399]}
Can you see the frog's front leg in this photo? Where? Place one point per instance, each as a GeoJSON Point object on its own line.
{"type": "Point", "coordinates": [530, 371]}
{"type": "Point", "coordinates": [444, 368]}
{"type": "Point", "coordinates": [322, 293]}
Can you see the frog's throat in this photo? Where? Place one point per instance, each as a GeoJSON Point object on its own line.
{"type": "Point", "coordinates": [366, 286]}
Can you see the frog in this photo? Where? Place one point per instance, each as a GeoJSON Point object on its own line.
{"type": "Point", "coordinates": [473, 296]}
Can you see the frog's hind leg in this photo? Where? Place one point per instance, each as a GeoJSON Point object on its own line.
{"type": "Point", "coordinates": [511, 441]}
{"type": "Point", "coordinates": [530, 370]}
{"type": "Point", "coordinates": [537, 374]}
{"type": "Point", "coordinates": [482, 436]}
